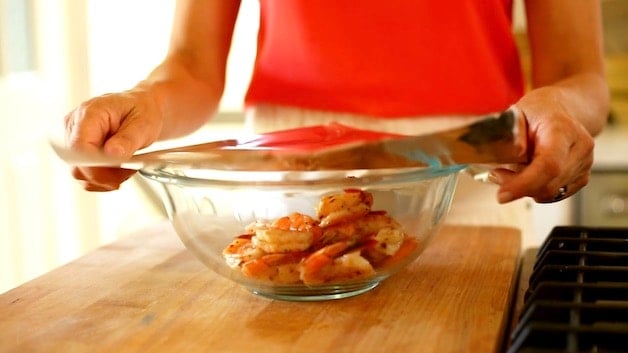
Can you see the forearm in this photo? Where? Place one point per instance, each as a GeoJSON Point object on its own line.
{"type": "Point", "coordinates": [568, 61]}
{"type": "Point", "coordinates": [188, 85]}
{"type": "Point", "coordinates": [185, 101]}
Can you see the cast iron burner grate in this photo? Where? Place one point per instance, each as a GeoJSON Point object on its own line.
{"type": "Point", "coordinates": [577, 298]}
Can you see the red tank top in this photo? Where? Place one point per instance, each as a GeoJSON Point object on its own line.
{"type": "Point", "coordinates": [387, 58]}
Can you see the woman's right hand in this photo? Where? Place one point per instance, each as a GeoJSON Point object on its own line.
{"type": "Point", "coordinates": [178, 96]}
{"type": "Point", "coordinates": [117, 124]}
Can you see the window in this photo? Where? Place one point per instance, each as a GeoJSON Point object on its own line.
{"type": "Point", "coordinates": [17, 47]}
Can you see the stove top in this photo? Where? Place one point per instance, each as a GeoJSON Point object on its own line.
{"type": "Point", "coordinates": [577, 296]}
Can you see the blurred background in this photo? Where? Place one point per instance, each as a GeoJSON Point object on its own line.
{"type": "Point", "coordinates": [55, 54]}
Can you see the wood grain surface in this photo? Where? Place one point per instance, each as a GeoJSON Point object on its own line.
{"type": "Point", "coordinates": [146, 293]}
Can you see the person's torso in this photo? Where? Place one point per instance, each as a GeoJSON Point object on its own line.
{"type": "Point", "coordinates": [387, 58]}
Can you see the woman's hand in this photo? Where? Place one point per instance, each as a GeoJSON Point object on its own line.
{"type": "Point", "coordinates": [178, 96]}
{"type": "Point", "coordinates": [568, 105]}
{"type": "Point", "coordinates": [561, 152]}
{"type": "Point", "coordinates": [117, 124]}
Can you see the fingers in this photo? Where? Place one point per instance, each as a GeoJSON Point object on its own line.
{"type": "Point", "coordinates": [101, 179]}
{"type": "Point", "coordinates": [116, 124]}
{"type": "Point", "coordinates": [135, 132]}
{"type": "Point", "coordinates": [551, 191]}
{"type": "Point", "coordinates": [561, 165]}
{"type": "Point", "coordinates": [119, 123]}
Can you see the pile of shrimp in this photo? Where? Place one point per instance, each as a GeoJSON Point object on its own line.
{"type": "Point", "coordinates": [346, 241]}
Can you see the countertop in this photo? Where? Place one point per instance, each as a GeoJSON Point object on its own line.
{"type": "Point", "coordinates": [146, 293]}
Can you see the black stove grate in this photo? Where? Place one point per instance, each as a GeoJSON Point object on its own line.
{"type": "Point", "coordinates": [577, 298]}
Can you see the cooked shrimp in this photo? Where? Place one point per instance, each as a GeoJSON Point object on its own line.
{"type": "Point", "coordinates": [382, 234]}
{"type": "Point", "coordinates": [373, 222]}
{"type": "Point", "coordinates": [241, 250]}
{"type": "Point", "coordinates": [359, 230]}
{"type": "Point", "coordinates": [384, 244]}
{"type": "Point", "coordinates": [408, 246]}
{"type": "Point", "coordinates": [346, 242]}
{"type": "Point", "coordinates": [388, 240]}
{"type": "Point", "coordinates": [342, 232]}
{"type": "Point", "coordinates": [346, 207]}
{"type": "Point", "coordinates": [323, 257]}
{"type": "Point", "coordinates": [329, 264]}
{"type": "Point", "coordinates": [292, 233]}
{"type": "Point", "coordinates": [350, 266]}
{"type": "Point", "coordinates": [275, 268]}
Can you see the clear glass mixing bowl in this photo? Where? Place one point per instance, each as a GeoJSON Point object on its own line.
{"type": "Point", "coordinates": [306, 235]}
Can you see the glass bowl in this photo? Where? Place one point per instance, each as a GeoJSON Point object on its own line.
{"type": "Point", "coordinates": [306, 235]}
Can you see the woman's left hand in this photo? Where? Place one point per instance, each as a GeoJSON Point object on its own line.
{"type": "Point", "coordinates": [568, 105]}
{"type": "Point", "coordinates": [560, 148]}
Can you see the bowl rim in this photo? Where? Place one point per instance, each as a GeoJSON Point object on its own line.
{"type": "Point", "coordinates": [202, 177]}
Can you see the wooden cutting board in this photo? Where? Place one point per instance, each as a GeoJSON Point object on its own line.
{"type": "Point", "coordinates": [146, 293]}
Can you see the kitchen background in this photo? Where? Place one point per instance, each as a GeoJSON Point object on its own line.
{"type": "Point", "coordinates": [56, 53]}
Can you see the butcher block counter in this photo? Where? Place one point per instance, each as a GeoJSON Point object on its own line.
{"type": "Point", "coordinates": [147, 293]}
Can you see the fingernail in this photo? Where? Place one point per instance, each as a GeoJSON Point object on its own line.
{"type": "Point", "coordinates": [494, 178]}
{"type": "Point", "coordinates": [504, 196]}
{"type": "Point", "coordinates": [99, 188]}
{"type": "Point", "coordinates": [115, 150]}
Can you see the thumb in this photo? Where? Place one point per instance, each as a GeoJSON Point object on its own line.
{"type": "Point", "coordinates": [129, 138]}
{"type": "Point", "coordinates": [118, 148]}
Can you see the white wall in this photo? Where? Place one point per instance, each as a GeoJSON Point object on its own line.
{"type": "Point", "coordinates": [36, 232]}
{"type": "Point", "coordinates": [126, 41]}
